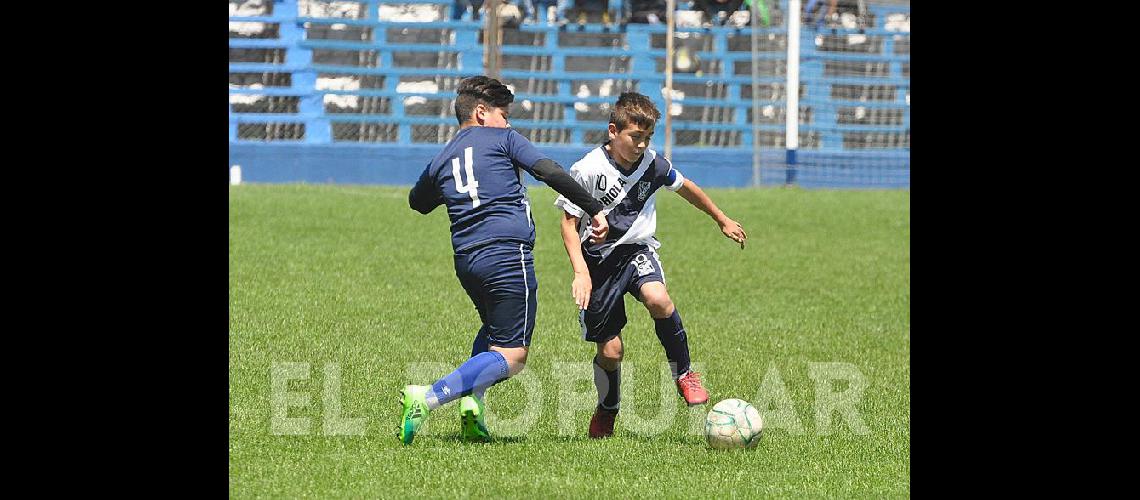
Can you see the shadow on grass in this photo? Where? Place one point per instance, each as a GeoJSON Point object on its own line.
{"type": "Point", "coordinates": [458, 438]}
{"type": "Point", "coordinates": [662, 438]}
{"type": "Point", "coordinates": [620, 435]}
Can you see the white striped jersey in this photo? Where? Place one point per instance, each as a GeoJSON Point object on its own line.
{"type": "Point", "coordinates": [629, 198]}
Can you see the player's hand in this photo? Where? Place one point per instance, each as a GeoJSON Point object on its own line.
{"type": "Point", "coordinates": [734, 231]}
{"type": "Point", "coordinates": [581, 289]}
{"type": "Point", "coordinates": [599, 228]}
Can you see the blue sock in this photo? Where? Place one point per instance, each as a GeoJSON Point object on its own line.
{"type": "Point", "coordinates": [477, 373]}
{"type": "Point", "coordinates": [481, 344]}
{"type": "Point", "coordinates": [671, 333]}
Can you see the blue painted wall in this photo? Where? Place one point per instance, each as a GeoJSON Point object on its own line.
{"type": "Point", "coordinates": [386, 164]}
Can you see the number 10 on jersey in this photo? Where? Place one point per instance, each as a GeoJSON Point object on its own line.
{"type": "Point", "coordinates": [472, 187]}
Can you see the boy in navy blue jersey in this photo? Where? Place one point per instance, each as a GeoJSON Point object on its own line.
{"type": "Point", "coordinates": [624, 175]}
{"type": "Point", "coordinates": [478, 176]}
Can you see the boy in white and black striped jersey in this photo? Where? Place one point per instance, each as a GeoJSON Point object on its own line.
{"type": "Point", "coordinates": [624, 175]}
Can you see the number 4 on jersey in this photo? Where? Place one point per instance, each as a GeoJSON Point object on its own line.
{"type": "Point", "coordinates": [472, 187]}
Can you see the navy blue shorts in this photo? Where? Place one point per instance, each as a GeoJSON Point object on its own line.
{"type": "Point", "coordinates": [624, 271]}
{"type": "Point", "coordinates": [499, 278]}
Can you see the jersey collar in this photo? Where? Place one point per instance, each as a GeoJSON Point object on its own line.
{"type": "Point", "coordinates": [622, 172]}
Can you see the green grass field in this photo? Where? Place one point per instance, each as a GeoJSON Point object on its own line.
{"type": "Point", "coordinates": [349, 279]}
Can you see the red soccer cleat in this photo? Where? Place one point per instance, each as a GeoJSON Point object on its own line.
{"type": "Point", "coordinates": [602, 423]}
{"type": "Point", "coordinates": [689, 387]}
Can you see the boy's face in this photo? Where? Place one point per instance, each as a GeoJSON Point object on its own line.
{"type": "Point", "coordinates": [627, 145]}
{"type": "Point", "coordinates": [488, 116]}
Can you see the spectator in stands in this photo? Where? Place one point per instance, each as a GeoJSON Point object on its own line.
{"type": "Point", "coordinates": [586, 7]}
{"type": "Point", "coordinates": [718, 11]}
{"type": "Point", "coordinates": [814, 10]}
{"type": "Point", "coordinates": [836, 11]}
{"type": "Point", "coordinates": [646, 11]}
{"type": "Point", "coordinates": [460, 7]}
{"type": "Point", "coordinates": [762, 9]}
{"type": "Point", "coordinates": [536, 10]}
{"type": "Point", "coordinates": [854, 8]}
{"type": "Point", "coordinates": [510, 15]}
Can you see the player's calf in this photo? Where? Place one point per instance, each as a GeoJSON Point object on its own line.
{"type": "Point", "coordinates": [671, 332]}
{"type": "Point", "coordinates": [607, 379]}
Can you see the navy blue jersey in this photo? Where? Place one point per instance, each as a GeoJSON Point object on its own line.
{"type": "Point", "coordinates": [477, 175]}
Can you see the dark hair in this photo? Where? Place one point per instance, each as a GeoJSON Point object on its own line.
{"type": "Point", "coordinates": [477, 90]}
{"type": "Point", "coordinates": [632, 107]}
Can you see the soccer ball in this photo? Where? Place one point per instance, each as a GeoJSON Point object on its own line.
{"type": "Point", "coordinates": [733, 423]}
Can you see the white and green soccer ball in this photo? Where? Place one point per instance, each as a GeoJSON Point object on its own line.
{"type": "Point", "coordinates": [733, 423]}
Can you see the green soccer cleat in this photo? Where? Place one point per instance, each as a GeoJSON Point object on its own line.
{"type": "Point", "coordinates": [471, 418]}
{"type": "Point", "coordinates": [415, 411]}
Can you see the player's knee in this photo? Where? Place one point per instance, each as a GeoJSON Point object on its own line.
{"type": "Point", "coordinates": [519, 362]}
{"type": "Point", "coordinates": [614, 352]}
{"type": "Point", "coordinates": [659, 305]}
{"type": "Point", "coordinates": [610, 353]}
{"type": "Point", "coordinates": [515, 358]}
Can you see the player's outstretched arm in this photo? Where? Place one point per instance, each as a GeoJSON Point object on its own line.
{"type": "Point", "coordinates": [692, 193]}
{"type": "Point", "coordinates": [582, 284]}
{"type": "Point", "coordinates": [549, 172]}
{"type": "Point", "coordinates": [524, 154]}
{"type": "Point", "coordinates": [552, 174]}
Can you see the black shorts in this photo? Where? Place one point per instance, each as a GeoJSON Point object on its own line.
{"type": "Point", "coordinates": [623, 271]}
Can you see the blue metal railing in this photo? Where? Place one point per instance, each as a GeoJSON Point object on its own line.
{"type": "Point", "coordinates": [468, 54]}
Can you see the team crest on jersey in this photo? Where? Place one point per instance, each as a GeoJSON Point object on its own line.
{"type": "Point", "coordinates": [642, 190]}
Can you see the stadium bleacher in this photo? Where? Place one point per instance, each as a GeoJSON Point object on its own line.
{"type": "Point", "coordinates": [362, 91]}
